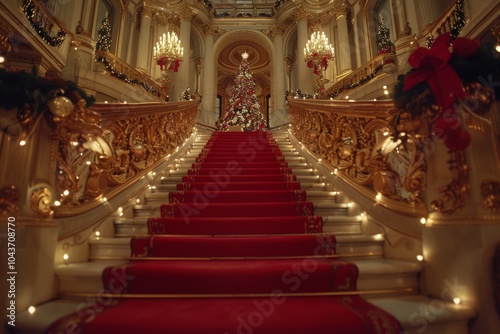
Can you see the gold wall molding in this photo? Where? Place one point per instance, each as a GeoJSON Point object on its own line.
{"type": "Point", "coordinates": [490, 190]}
{"type": "Point", "coordinates": [9, 197]}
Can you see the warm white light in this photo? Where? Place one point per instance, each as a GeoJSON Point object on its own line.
{"type": "Point", "coordinates": [423, 221]}
{"type": "Point", "coordinates": [97, 233]}
{"type": "Point", "coordinates": [168, 47]}
{"type": "Point", "coordinates": [362, 214]}
{"type": "Point", "coordinates": [88, 162]}
{"type": "Point", "coordinates": [31, 309]}
{"type": "Point", "coordinates": [386, 133]}
{"type": "Point", "coordinates": [497, 47]}
{"type": "Point", "coordinates": [105, 101]}
{"type": "Point", "coordinates": [22, 142]}
{"type": "Point", "coordinates": [349, 204]}
{"type": "Point", "coordinates": [456, 300]}
{"type": "Point", "coordinates": [137, 200]}
{"type": "Point", "coordinates": [2, 59]}
{"type": "Point", "coordinates": [319, 160]}
{"type": "Point", "coordinates": [104, 199]}
{"type": "Point", "coordinates": [318, 47]}
{"type": "Point", "coordinates": [347, 96]}
{"type": "Point", "coordinates": [420, 257]}
{"type": "Point", "coordinates": [74, 143]}
{"type": "Point", "coordinates": [57, 203]}
{"type": "Point", "coordinates": [65, 257]}
{"type": "Point", "coordinates": [378, 236]}
{"type": "Point", "coordinates": [385, 87]}
{"type": "Point", "coordinates": [386, 92]}
{"type": "Point", "coordinates": [378, 197]}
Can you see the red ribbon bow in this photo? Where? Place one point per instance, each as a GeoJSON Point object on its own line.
{"type": "Point", "coordinates": [432, 66]}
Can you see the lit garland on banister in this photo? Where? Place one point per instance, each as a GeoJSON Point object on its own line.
{"type": "Point", "coordinates": [29, 12]}
{"type": "Point", "coordinates": [124, 78]}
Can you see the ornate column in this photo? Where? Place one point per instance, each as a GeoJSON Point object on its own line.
{"type": "Point", "coordinates": [423, 12]}
{"type": "Point", "coordinates": [208, 90]}
{"type": "Point", "coordinates": [304, 78]}
{"type": "Point", "coordinates": [278, 113]}
{"type": "Point", "coordinates": [183, 77]}
{"type": "Point", "coordinates": [197, 69]}
{"type": "Point", "coordinates": [143, 47]}
{"type": "Point", "coordinates": [342, 13]}
{"type": "Point", "coordinates": [289, 67]}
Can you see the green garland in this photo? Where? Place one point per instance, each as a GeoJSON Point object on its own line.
{"type": "Point", "coordinates": [20, 88]}
{"type": "Point", "coordinates": [29, 12]}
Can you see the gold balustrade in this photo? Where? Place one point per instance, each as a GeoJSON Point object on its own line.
{"type": "Point", "coordinates": [441, 25]}
{"type": "Point", "coordinates": [104, 150]}
{"type": "Point", "coordinates": [353, 140]}
{"type": "Point", "coordinates": [127, 73]}
{"type": "Point", "coordinates": [361, 75]}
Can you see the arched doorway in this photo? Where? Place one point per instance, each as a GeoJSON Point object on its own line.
{"type": "Point", "coordinates": [229, 50]}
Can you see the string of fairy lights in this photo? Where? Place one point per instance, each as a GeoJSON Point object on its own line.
{"type": "Point", "coordinates": [30, 13]}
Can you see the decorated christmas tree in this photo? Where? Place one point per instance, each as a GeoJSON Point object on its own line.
{"type": "Point", "coordinates": [243, 108]}
{"type": "Point", "coordinates": [104, 35]}
{"type": "Point", "coordinates": [384, 43]}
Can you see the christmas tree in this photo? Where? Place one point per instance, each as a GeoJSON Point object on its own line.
{"type": "Point", "coordinates": [104, 35]}
{"type": "Point", "coordinates": [243, 108]}
{"type": "Point", "coordinates": [383, 38]}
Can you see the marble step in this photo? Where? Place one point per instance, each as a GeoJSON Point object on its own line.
{"type": "Point", "coordinates": [417, 314]}
{"type": "Point", "coordinates": [352, 246]}
{"type": "Point", "coordinates": [337, 224]}
{"type": "Point", "coordinates": [375, 275]}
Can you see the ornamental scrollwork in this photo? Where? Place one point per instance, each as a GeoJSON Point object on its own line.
{"type": "Point", "coordinates": [361, 149]}
{"type": "Point", "coordinates": [114, 150]}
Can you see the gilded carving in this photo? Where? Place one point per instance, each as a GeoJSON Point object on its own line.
{"type": "Point", "coordinates": [40, 202]}
{"type": "Point", "coordinates": [490, 190]}
{"type": "Point", "coordinates": [301, 14]}
{"type": "Point", "coordinates": [186, 13]}
{"type": "Point", "coordinates": [96, 155]}
{"type": "Point", "coordinates": [358, 148]}
{"type": "Point", "coordinates": [5, 34]}
{"type": "Point", "coordinates": [211, 30]}
{"type": "Point", "coordinates": [455, 193]}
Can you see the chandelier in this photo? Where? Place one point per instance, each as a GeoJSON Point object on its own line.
{"type": "Point", "coordinates": [168, 53]}
{"type": "Point", "coordinates": [317, 53]}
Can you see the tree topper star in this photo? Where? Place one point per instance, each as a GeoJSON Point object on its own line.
{"type": "Point", "coordinates": [244, 55]}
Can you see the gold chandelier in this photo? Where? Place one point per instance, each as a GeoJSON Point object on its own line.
{"type": "Point", "coordinates": [168, 53]}
{"type": "Point", "coordinates": [317, 53]}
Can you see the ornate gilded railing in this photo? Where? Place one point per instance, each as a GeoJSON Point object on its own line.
{"type": "Point", "coordinates": [361, 75]}
{"type": "Point", "coordinates": [447, 23]}
{"type": "Point", "coordinates": [50, 29]}
{"type": "Point", "coordinates": [353, 141]}
{"type": "Point", "coordinates": [104, 150]}
{"type": "Point", "coordinates": [127, 73]}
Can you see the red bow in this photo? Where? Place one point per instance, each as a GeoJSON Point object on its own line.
{"type": "Point", "coordinates": [174, 66]}
{"type": "Point", "coordinates": [432, 66]}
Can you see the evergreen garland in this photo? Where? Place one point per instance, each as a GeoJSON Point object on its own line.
{"type": "Point", "coordinates": [29, 12]}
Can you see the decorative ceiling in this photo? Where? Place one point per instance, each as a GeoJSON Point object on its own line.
{"type": "Point", "coordinates": [229, 60]}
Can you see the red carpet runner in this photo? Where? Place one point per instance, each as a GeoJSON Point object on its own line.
{"type": "Point", "coordinates": [236, 250]}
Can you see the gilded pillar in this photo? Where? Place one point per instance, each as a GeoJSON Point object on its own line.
{"type": "Point", "coordinates": [342, 13]}
{"type": "Point", "coordinates": [278, 113]}
{"type": "Point", "coordinates": [183, 76]}
{"type": "Point", "coordinates": [144, 47]}
{"type": "Point", "coordinates": [304, 78]}
{"type": "Point", "coordinates": [208, 89]}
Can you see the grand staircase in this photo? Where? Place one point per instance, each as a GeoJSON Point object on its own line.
{"type": "Point", "coordinates": [393, 285]}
